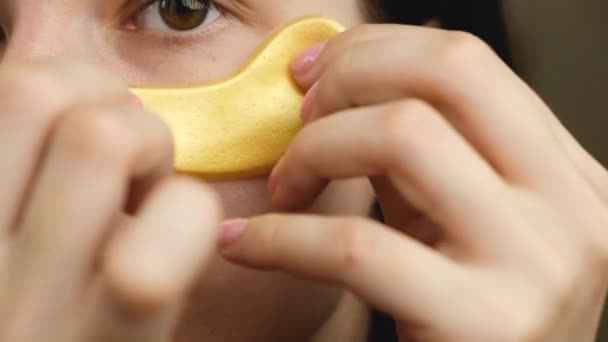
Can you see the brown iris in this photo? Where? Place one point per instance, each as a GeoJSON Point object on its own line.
{"type": "Point", "coordinates": [184, 15]}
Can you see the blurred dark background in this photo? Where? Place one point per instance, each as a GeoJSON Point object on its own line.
{"type": "Point", "coordinates": [561, 49]}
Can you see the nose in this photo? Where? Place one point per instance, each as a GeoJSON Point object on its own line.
{"type": "Point", "coordinates": [40, 34]}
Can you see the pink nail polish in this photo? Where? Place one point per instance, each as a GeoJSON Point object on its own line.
{"type": "Point", "coordinates": [137, 101]}
{"type": "Point", "coordinates": [307, 59]}
{"type": "Point", "coordinates": [231, 230]}
{"type": "Point", "coordinates": [308, 105]}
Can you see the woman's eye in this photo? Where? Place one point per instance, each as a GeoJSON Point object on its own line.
{"type": "Point", "coordinates": [177, 15]}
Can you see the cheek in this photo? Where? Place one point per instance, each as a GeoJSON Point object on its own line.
{"type": "Point", "coordinates": [232, 303]}
{"type": "Point", "coordinates": [152, 62]}
{"type": "Point", "coordinates": [244, 198]}
{"type": "Point", "coordinates": [236, 304]}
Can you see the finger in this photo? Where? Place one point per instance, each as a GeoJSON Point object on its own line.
{"type": "Point", "coordinates": [398, 213]}
{"type": "Point", "coordinates": [150, 266]}
{"type": "Point", "coordinates": [32, 97]}
{"type": "Point", "coordinates": [430, 164]}
{"type": "Point", "coordinates": [593, 171]}
{"type": "Point", "coordinates": [95, 154]}
{"type": "Point", "coordinates": [457, 73]}
{"type": "Point", "coordinates": [385, 268]}
{"type": "Point", "coordinates": [307, 70]}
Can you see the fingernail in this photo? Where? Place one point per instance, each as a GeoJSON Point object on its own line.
{"type": "Point", "coordinates": [231, 230]}
{"type": "Point", "coordinates": [307, 59]}
{"type": "Point", "coordinates": [308, 105]}
{"type": "Point", "coordinates": [137, 101]}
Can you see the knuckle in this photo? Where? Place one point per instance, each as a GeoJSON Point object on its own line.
{"type": "Point", "coordinates": [354, 243]}
{"type": "Point", "coordinates": [534, 324]}
{"type": "Point", "coordinates": [344, 41]}
{"type": "Point", "coordinates": [408, 125]}
{"type": "Point", "coordinates": [301, 150]}
{"type": "Point", "coordinates": [463, 52]}
{"type": "Point", "coordinates": [136, 288]}
{"type": "Point", "coordinates": [266, 244]}
{"type": "Point", "coordinates": [599, 254]}
{"type": "Point", "coordinates": [528, 315]}
{"type": "Point", "coordinates": [162, 141]}
{"type": "Point", "coordinates": [95, 136]}
{"type": "Point", "coordinates": [342, 68]}
{"type": "Point", "coordinates": [563, 285]}
{"type": "Point", "coordinates": [560, 279]}
{"type": "Point", "coordinates": [207, 197]}
{"type": "Point", "coordinates": [528, 327]}
{"type": "Point", "coordinates": [20, 84]}
{"type": "Point", "coordinates": [597, 244]}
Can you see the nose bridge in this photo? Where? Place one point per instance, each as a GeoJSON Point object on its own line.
{"type": "Point", "coordinates": [41, 32]}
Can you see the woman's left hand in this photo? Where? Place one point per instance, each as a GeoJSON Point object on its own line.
{"type": "Point", "coordinates": [496, 220]}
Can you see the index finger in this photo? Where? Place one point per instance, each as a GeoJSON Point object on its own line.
{"type": "Point", "coordinates": [385, 268]}
{"type": "Point", "coordinates": [335, 47]}
{"type": "Point", "coordinates": [461, 76]}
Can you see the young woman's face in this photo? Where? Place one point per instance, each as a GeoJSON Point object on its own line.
{"type": "Point", "coordinates": [149, 45]}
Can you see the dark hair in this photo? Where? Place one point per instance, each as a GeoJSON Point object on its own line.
{"type": "Point", "coordinates": [483, 18]}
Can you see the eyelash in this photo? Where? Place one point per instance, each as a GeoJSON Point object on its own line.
{"type": "Point", "coordinates": [173, 37]}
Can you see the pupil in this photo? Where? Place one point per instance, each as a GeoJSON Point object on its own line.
{"type": "Point", "coordinates": [184, 15]}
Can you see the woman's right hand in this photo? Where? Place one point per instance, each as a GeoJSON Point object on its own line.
{"type": "Point", "coordinates": [99, 241]}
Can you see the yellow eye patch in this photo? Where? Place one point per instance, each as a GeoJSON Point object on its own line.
{"type": "Point", "coordinates": [240, 126]}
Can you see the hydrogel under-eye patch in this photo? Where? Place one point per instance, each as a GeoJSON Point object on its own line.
{"type": "Point", "coordinates": [240, 126]}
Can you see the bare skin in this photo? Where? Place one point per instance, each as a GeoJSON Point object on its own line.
{"type": "Point", "coordinates": [501, 204]}
{"type": "Point", "coordinates": [227, 303]}
{"type": "Point", "coordinates": [495, 217]}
